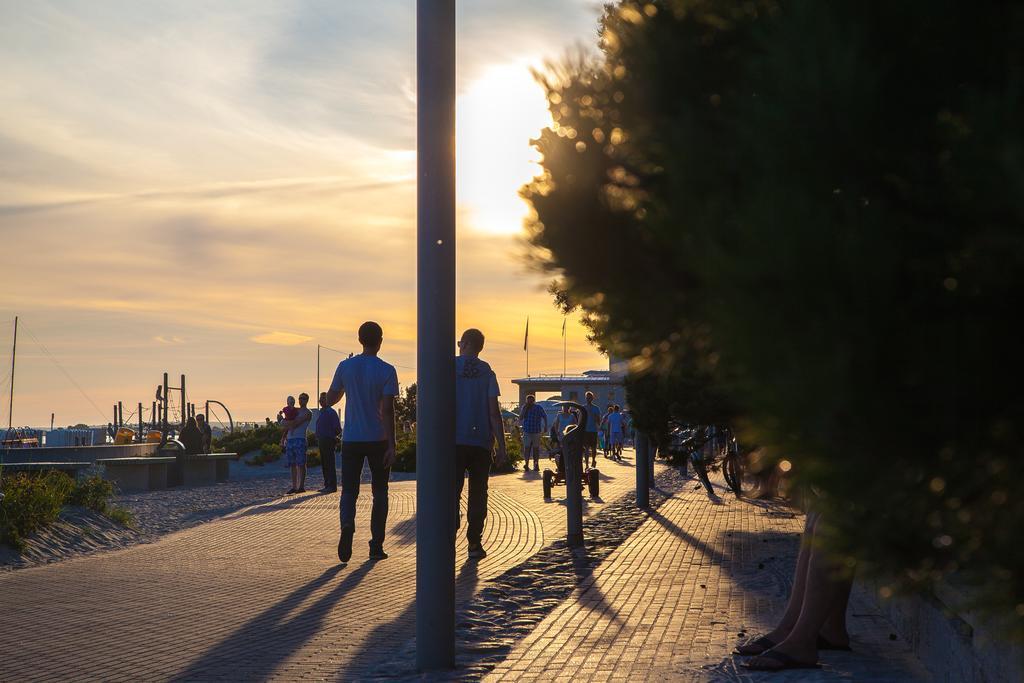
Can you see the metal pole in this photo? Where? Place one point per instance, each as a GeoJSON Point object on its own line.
{"type": "Point", "coordinates": [120, 415]}
{"type": "Point", "coordinates": [318, 374]}
{"type": "Point", "coordinates": [435, 322]}
{"type": "Point", "coordinates": [184, 405]}
{"type": "Point", "coordinates": [140, 421]}
{"type": "Point", "coordinates": [643, 481]}
{"type": "Point", "coordinates": [164, 426]}
{"type": "Point", "coordinates": [652, 450]}
{"type": "Point", "coordinates": [206, 412]}
{"type": "Point", "coordinates": [572, 459]}
{"type": "Point", "coordinates": [10, 404]}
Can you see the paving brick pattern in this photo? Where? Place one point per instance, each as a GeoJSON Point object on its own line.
{"type": "Point", "coordinates": [668, 605]}
{"type": "Point", "coordinates": [255, 595]}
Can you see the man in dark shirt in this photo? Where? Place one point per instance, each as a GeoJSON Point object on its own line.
{"type": "Point", "coordinates": [328, 427]}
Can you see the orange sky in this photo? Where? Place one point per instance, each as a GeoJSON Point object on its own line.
{"type": "Point", "coordinates": [212, 191]}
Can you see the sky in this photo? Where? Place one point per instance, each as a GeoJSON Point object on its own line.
{"type": "Point", "coordinates": [214, 188]}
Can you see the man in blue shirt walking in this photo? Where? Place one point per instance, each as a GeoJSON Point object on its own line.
{"type": "Point", "coordinates": [478, 428]}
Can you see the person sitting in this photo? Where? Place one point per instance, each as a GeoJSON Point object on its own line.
{"type": "Point", "coordinates": [191, 437]}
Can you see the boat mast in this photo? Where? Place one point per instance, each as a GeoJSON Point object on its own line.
{"type": "Point", "coordinates": [10, 403]}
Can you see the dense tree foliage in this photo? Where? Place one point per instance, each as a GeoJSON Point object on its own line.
{"type": "Point", "coordinates": [807, 219]}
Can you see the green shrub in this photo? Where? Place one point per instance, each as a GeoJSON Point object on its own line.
{"type": "Point", "coordinates": [121, 516]}
{"type": "Point", "coordinates": [312, 457]}
{"type": "Point", "coordinates": [30, 503]}
{"type": "Point", "coordinates": [269, 452]}
{"type": "Point", "coordinates": [514, 449]}
{"type": "Point", "coordinates": [92, 492]}
{"type": "Point", "coordinates": [830, 231]}
{"type": "Point", "coordinates": [243, 442]}
{"type": "Point", "coordinates": [405, 454]}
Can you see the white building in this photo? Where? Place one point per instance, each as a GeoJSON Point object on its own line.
{"type": "Point", "coordinates": [608, 385]}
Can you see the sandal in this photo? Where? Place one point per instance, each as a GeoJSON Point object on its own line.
{"type": "Point", "coordinates": [754, 647]}
{"type": "Point", "coordinates": [770, 660]}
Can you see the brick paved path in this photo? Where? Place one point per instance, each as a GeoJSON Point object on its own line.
{"type": "Point", "coordinates": [256, 595]}
{"type": "Point", "coordinates": [668, 604]}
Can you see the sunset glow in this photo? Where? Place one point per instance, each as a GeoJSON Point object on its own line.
{"type": "Point", "coordinates": [498, 115]}
{"type": "Point", "coordinates": [215, 191]}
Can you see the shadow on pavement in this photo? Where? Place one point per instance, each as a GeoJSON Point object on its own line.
{"type": "Point", "coordinates": [258, 647]}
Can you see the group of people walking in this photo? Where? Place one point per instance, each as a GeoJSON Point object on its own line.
{"type": "Point", "coordinates": [606, 430]}
{"type": "Point", "coordinates": [370, 386]}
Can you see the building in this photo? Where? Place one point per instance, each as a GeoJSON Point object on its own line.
{"type": "Point", "coordinates": [608, 385]}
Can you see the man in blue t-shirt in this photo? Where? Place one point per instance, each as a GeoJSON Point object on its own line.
{"type": "Point", "coordinates": [478, 427]}
{"type": "Point", "coordinates": [371, 386]}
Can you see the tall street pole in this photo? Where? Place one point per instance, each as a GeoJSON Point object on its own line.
{"type": "Point", "coordinates": [10, 404]}
{"type": "Point", "coordinates": [435, 326]}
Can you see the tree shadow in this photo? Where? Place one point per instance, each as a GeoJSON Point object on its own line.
{"type": "Point", "coordinates": [260, 645]}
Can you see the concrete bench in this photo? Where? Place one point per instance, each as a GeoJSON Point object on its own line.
{"type": "Point", "coordinates": [143, 473]}
{"type": "Point", "coordinates": [72, 468]}
{"type": "Point", "coordinates": [204, 469]}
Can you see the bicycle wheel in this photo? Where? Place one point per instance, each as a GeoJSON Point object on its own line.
{"type": "Point", "coordinates": [733, 474]}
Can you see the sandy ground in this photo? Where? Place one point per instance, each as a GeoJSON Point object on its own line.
{"type": "Point", "coordinates": [81, 532]}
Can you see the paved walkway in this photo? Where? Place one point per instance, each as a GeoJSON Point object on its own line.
{"type": "Point", "coordinates": [259, 595]}
{"type": "Point", "coordinates": [256, 595]}
{"type": "Point", "coordinates": [669, 605]}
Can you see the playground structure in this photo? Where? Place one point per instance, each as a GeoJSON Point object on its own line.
{"type": "Point", "coordinates": [166, 416]}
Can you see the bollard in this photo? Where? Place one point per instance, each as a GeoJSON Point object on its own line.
{"type": "Point", "coordinates": [572, 454]}
{"type": "Point", "coordinates": [643, 480]}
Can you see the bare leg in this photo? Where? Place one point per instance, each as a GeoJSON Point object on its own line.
{"type": "Point", "coordinates": [302, 477]}
{"type": "Point", "coordinates": [824, 600]}
{"type": "Point", "coordinates": [796, 596]}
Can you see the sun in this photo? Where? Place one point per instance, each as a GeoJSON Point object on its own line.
{"type": "Point", "coordinates": [497, 116]}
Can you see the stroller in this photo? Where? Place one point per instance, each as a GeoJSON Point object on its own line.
{"type": "Point", "coordinates": [557, 445]}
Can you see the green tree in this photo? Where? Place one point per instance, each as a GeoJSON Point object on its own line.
{"type": "Point", "coordinates": [405, 405]}
{"type": "Point", "coordinates": [807, 219]}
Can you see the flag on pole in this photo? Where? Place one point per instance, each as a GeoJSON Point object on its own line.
{"type": "Point", "coordinates": [563, 327]}
{"type": "Point", "coordinates": [526, 338]}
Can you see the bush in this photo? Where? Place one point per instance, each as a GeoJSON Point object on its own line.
{"type": "Point", "coordinates": [249, 440]}
{"type": "Point", "coordinates": [405, 454]}
{"type": "Point", "coordinates": [312, 457]}
{"type": "Point", "coordinates": [831, 235]}
{"type": "Point", "coordinates": [269, 452]}
{"type": "Point", "coordinates": [93, 493]}
{"type": "Point", "coordinates": [31, 503]}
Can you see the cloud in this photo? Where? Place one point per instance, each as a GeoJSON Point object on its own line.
{"type": "Point", "coordinates": [278, 338]}
{"type": "Point", "coordinates": [161, 339]}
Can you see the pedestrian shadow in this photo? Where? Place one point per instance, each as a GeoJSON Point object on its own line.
{"type": "Point", "coordinates": [388, 650]}
{"type": "Point", "coordinates": [273, 505]}
{"type": "Point", "coordinates": [259, 646]}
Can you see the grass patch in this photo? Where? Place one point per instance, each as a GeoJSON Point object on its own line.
{"type": "Point", "coordinates": [33, 502]}
{"type": "Point", "coordinates": [30, 503]}
{"type": "Point", "coordinates": [121, 516]}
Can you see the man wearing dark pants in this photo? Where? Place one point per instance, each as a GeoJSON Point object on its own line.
{"type": "Point", "coordinates": [590, 433]}
{"type": "Point", "coordinates": [328, 427]}
{"type": "Point", "coordinates": [477, 427]}
{"type": "Point", "coordinates": [371, 386]}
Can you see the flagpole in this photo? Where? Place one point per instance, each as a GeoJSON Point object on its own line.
{"type": "Point", "coordinates": [563, 346]}
{"type": "Point", "coordinates": [526, 345]}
